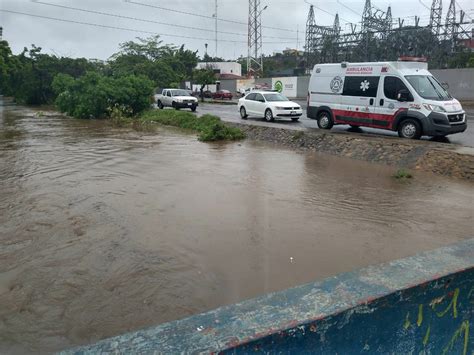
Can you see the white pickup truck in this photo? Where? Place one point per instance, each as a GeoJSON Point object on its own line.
{"type": "Point", "coordinates": [177, 99]}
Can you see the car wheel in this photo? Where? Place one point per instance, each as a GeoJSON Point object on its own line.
{"type": "Point", "coordinates": [409, 129]}
{"type": "Point", "coordinates": [160, 105]}
{"type": "Point", "coordinates": [243, 113]}
{"type": "Point", "coordinates": [193, 108]}
{"type": "Point", "coordinates": [294, 119]}
{"type": "Point", "coordinates": [175, 106]}
{"type": "Point", "coordinates": [269, 115]}
{"type": "Point", "coordinates": [325, 120]}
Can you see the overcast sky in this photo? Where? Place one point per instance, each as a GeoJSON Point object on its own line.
{"type": "Point", "coordinates": [287, 19]}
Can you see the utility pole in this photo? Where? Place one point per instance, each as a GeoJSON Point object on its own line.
{"type": "Point", "coordinates": [254, 57]}
{"type": "Point", "coordinates": [216, 26]}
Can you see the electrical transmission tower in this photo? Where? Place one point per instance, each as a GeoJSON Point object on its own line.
{"type": "Point", "coordinates": [254, 58]}
{"type": "Point", "coordinates": [1, 32]}
{"type": "Point", "coordinates": [320, 39]}
{"type": "Point", "coordinates": [435, 16]}
{"type": "Point", "coordinates": [450, 31]}
{"type": "Point", "coordinates": [379, 38]}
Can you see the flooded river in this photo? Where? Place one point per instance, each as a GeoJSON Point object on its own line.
{"type": "Point", "coordinates": [106, 230]}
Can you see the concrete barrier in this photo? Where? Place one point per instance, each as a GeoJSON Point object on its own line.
{"type": "Point", "coordinates": [421, 304]}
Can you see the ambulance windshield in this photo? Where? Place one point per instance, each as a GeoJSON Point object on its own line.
{"type": "Point", "coordinates": [428, 87]}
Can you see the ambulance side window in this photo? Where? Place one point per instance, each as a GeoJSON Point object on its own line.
{"type": "Point", "coordinates": [365, 86]}
{"type": "Point", "coordinates": [391, 86]}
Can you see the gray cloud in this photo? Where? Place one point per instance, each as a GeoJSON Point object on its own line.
{"type": "Point", "coordinates": [77, 40]}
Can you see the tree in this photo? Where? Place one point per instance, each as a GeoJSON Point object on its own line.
{"type": "Point", "coordinates": [94, 95]}
{"type": "Point", "coordinates": [29, 75]}
{"type": "Point", "coordinates": [165, 65]}
{"type": "Point", "coordinates": [204, 77]}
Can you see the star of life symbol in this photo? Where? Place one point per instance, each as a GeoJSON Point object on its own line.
{"type": "Point", "coordinates": [364, 85]}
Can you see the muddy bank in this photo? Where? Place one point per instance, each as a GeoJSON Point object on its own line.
{"type": "Point", "coordinates": [432, 157]}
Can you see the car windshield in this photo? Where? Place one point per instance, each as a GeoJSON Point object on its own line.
{"type": "Point", "coordinates": [428, 87]}
{"type": "Point", "coordinates": [275, 97]}
{"type": "Point", "coordinates": [179, 93]}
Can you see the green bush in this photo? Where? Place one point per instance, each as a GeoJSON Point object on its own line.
{"type": "Point", "coordinates": [94, 95]}
{"type": "Point", "coordinates": [210, 128]}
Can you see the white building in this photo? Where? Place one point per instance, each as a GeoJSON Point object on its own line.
{"type": "Point", "coordinates": [222, 68]}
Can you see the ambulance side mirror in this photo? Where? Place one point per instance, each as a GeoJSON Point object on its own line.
{"type": "Point", "coordinates": [403, 95]}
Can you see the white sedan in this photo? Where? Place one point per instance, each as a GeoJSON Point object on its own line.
{"type": "Point", "coordinates": [269, 105]}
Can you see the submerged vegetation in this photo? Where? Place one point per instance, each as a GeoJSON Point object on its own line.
{"type": "Point", "coordinates": [210, 128]}
{"type": "Point", "coordinates": [402, 174]}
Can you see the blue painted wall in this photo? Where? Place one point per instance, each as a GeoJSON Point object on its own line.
{"type": "Point", "coordinates": [432, 318]}
{"type": "Point", "coordinates": [421, 304]}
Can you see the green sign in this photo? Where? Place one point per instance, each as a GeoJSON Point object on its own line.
{"type": "Point", "coordinates": [279, 86]}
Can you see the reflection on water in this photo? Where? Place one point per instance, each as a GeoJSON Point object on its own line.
{"type": "Point", "coordinates": [106, 230]}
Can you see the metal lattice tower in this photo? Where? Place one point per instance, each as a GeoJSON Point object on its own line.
{"type": "Point", "coordinates": [254, 58]}
{"type": "Point", "coordinates": [366, 15]}
{"type": "Point", "coordinates": [389, 19]}
{"type": "Point", "coordinates": [435, 16]}
{"type": "Point", "coordinates": [310, 47]}
{"type": "Point", "coordinates": [1, 32]}
{"type": "Point", "coordinates": [450, 31]}
{"type": "Point", "coordinates": [320, 44]}
{"type": "Point", "coordinates": [336, 26]}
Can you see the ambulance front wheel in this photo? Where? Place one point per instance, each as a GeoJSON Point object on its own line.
{"type": "Point", "coordinates": [410, 129]}
{"type": "Point", "coordinates": [325, 120]}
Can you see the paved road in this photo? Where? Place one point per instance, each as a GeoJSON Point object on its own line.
{"type": "Point", "coordinates": [230, 113]}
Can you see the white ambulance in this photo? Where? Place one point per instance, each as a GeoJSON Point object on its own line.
{"type": "Point", "coordinates": [401, 96]}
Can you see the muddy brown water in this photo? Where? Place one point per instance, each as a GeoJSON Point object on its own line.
{"type": "Point", "coordinates": [106, 230]}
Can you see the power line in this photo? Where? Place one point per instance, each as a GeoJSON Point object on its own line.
{"type": "Point", "coordinates": [121, 28]}
{"type": "Point", "coordinates": [347, 7]}
{"type": "Point", "coordinates": [202, 16]}
{"type": "Point", "coordinates": [422, 3]}
{"type": "Point", "coordinates": [329, 13]}
{"type": "Point", "coordinates": [145, 20]}
{"type": "Point", "coordinates": [459, 6]}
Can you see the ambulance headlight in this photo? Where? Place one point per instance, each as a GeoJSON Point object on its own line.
{"type": "Point", "coordinates": [434, 108]}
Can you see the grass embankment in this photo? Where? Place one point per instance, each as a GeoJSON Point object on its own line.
{"type": "Point", "coordinates": [210, 128]}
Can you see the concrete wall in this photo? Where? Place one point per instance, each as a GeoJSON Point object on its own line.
{"type": "Point", "coordinates": [303, 84]}
{"type": "Point", "coordinates": [461, 82]}
{"type": "Point", "coordinates": [421, 304]}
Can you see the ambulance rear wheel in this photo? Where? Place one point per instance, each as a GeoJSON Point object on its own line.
{"type": "Point", "coordinates": [325, 120]}
{"type": "Point", "coordinates": [409, 129]}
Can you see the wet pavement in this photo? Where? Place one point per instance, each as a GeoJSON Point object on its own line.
{"type": "Point", "coordinates": [230, 113]}
{"type": "Point", "coordinates": [107, 230]}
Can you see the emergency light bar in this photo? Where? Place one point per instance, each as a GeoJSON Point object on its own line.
{"type": "Point", "coordinates": [412, 59]}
